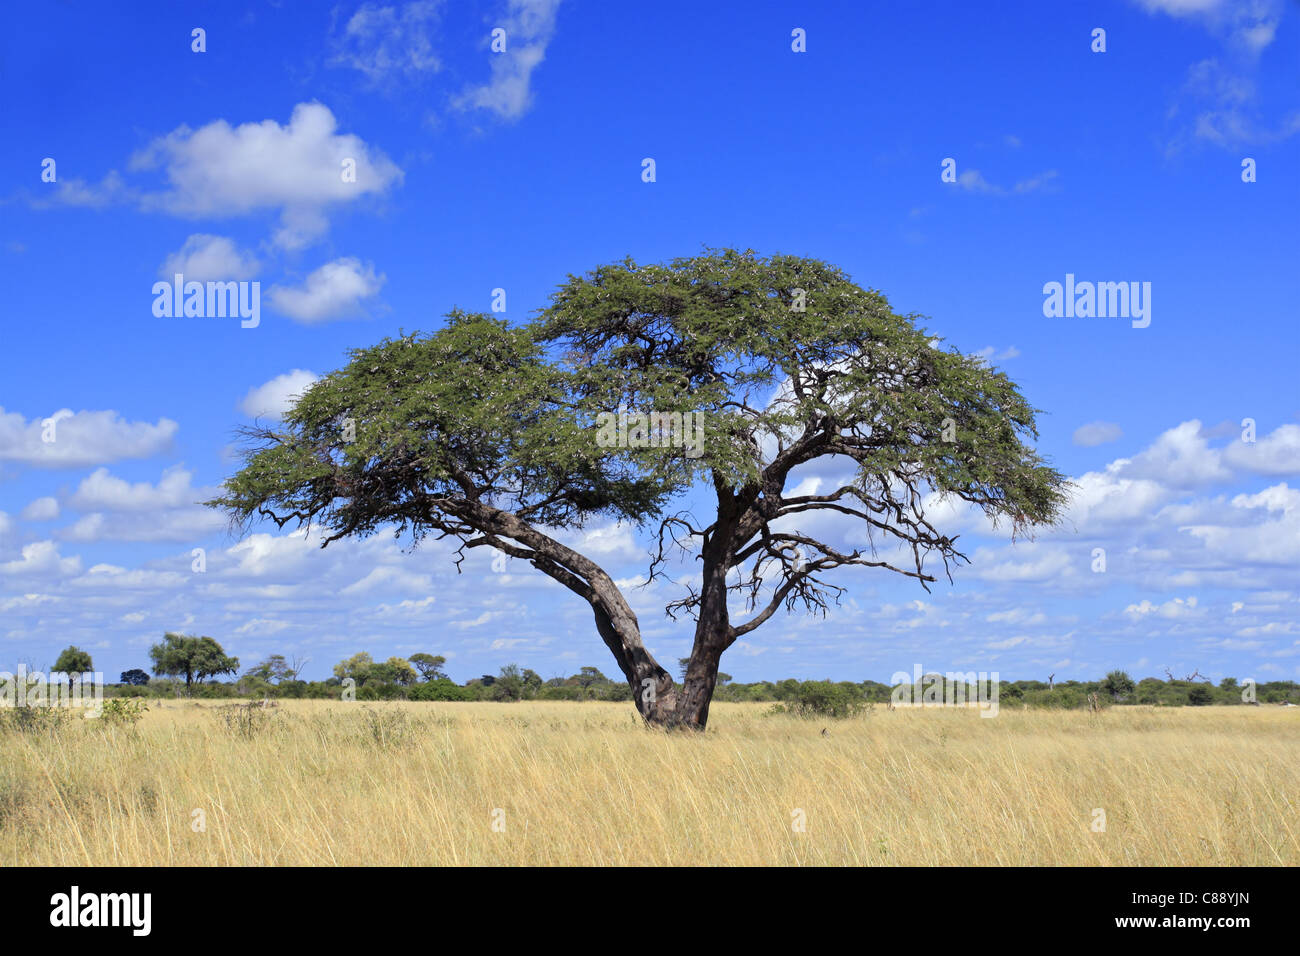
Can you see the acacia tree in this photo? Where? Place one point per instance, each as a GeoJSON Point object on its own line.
{"type": "Point", "coordinates": [194, 658]}
{"type": "Point", "coordinates": [487, 434]}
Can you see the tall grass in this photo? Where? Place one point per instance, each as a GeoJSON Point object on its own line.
{"type": "Point", "coordinates": [316, 782]}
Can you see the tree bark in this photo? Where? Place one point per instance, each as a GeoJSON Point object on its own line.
{"type": "Point", "coordinates": [712, 636]}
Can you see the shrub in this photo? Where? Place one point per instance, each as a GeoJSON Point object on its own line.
{"type": "Point", "coordinates": [31, 720]}
{"type": "Point", "coordinates": [440, 689]}
{"type": "Point", "coordinates": [123, 710]}
{"type": "Point", "coordinates": [820, 698]}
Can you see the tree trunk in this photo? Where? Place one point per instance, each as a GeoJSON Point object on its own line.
{"type": "Point", "coordinates": [712, 637]}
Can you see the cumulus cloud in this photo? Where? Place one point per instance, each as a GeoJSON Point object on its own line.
{"type": "Point", "coordinates": [104, 491]}
{"type": "Point", "coordinates": [42, 509]}
{"type": "Point", "coordinates": [221, 171]}
{"type": "Point", "coordinates": [41, 557]}
{"type": "Point", "coordinates": [1181, 457]}
{"type": "Point", "coordinates": [114, 508]}
{"type": "Point", "coordinates": [334, 291]}
{"type": "Point", "coordinates": [529, 27]}
{"type": "Point", "coordinates": [206, 258]}
{"type": "Point", "coordinates": [70, 439]}
{"type": "Point", "coordinates": [273, 399]}
{"type": "Point", "coordinates": [1276, 454]}
{"type": "Point", "coordinates": [1097, 433]}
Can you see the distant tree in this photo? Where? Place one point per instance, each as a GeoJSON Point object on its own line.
{"type": "Point", "coordinates": [135, 677]}
{"type": "Point", "coordinates": [1118, 684]}
{"type": "Point", "coordinates": [1200, 695]}
{"type": "Point", "coordinates": [429, 666]}
{"type": "Point", "coordinates": [399, 671]}
{"type": "Point", "coordinates": [191, 657]}
{"type": "Point", "coordinates": [1229, 685]}
{"type": "Point", "coordinates": [74, 662]}
{"type": "Point", "coordinates": [509, 684]}
{"type": "Point", "coordinates": [273, 670]}
{"type": "Point", "coordinates": [588, 676]}
{"type": "Point", "coordinates": [358, 667]}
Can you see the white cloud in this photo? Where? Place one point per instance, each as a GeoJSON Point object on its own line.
{"type": "Point", "coordinates": [81, 438]}
{"type": "Point", "coordinates": [103, 491]}
{"type": "Point", "coordinates": [42, 557]}
{"type": "Point", "coordinates": [206, 258]}
{"type": "Point", "coordinates": [1275, 454]}
{"type": "Point", "coordinates": [1028, 562]}
{"type": "Point", "coordinates": [273, 399]}
{"type": "Point", "coordinates": [261, 627]}
{"type": "Point", "coordinates": [1097, 433]}
{"type": "Point", "coordinates": [42, 509]}
{"type": "Point", "coordinates": [221, 171]}
{"type": "Point", "coordinates": [114, 508]}
{"type": "Point", "coordinates": [529, 26]}
{"type": "Point", "coordinates": [1175, 608]}
{"type": "Point", "coordinates": [1248, 25]}
{"type": "Point", "coordinates": [389, 42]}
{"type": "Point", "coordinates": [335, 290]}
{"type": "Point", "coordinates": [1181, 457]}
{"type": "Point", "coordinates": [972, 180]}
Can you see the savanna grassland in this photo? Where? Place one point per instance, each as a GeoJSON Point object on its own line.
{"type": "Point", "coordinates": [329, 783]}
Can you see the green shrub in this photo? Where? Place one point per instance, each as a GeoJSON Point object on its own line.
{"type": "Point", "coordinates": [123, 710]}
{"type": "Point", "coordinates": [441, 689]}
{"type": "Point", "coordinates": [820, 698]}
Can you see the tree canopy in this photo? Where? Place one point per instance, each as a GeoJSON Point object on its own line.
{"type": "Point", "coordinates": [191, 657]}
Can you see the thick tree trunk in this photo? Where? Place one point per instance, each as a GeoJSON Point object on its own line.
{"type": "Point", "coordinates": [712, 637]}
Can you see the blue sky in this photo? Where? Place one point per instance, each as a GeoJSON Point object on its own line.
{"type": "Point", "coordinates": [480, 170]}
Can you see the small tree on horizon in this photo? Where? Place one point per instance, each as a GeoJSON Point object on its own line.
{"type": "Point", "coordinates": [191, 657]}
{"type": "Point", "coordinates": [1118, 685]}
{"type": "Point", "coordinates": [74, 662]}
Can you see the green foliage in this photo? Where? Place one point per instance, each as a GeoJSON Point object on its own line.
{"type": "Point", "coordinates": [194, 658]}
{"type": "Point", "coordinates": [135, 677]}
{"type": "Point", "coordinates": [820, 698]}
{"type": "Point", "coordinates": [695, 333]}
{"type": "Point", "coordinates": [33, 720]}
{"type": "Point", "coordinates": [74, 662]}
{"type": "Point", "coordinates": [429, 666]}
{"type": "Point", "coordinates": [440, 689]}
{"type": "Point", "coordinates": [1200, 695]}
{"type": "Point", "coordinates": [125, 711]}
{"type": "Point", "coordinates": [1118, 685]}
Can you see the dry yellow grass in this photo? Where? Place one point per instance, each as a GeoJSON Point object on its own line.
{"type": "Point", "coordinates": [391, 783]}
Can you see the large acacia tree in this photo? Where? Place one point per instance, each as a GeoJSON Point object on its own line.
{"type": "Point", "coordinates": [488, 434]}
